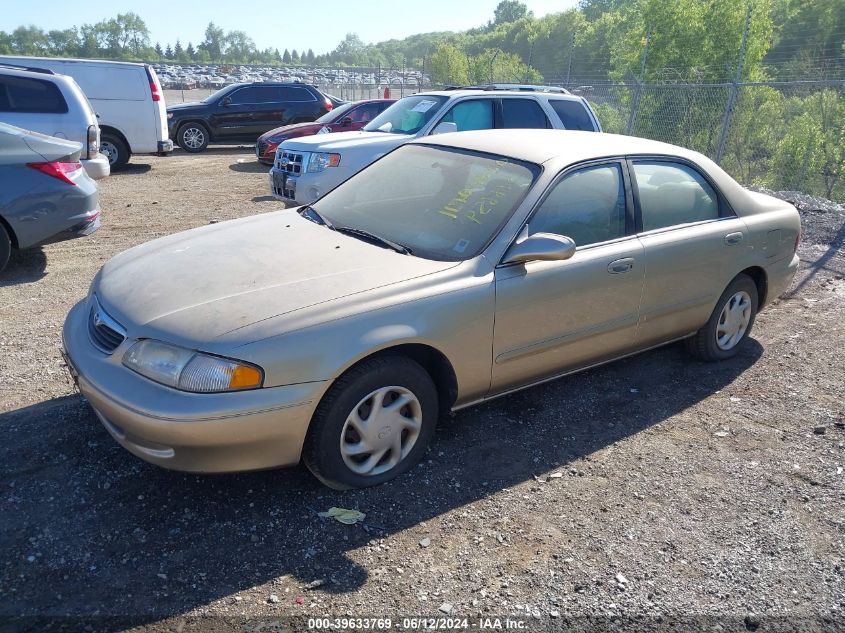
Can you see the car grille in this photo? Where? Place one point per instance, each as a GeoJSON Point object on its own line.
{"type": "Point", "coordinates": [260, 148]}
{"type": "Point", "coordinates": [106, 333]}
{"type": "Point", "coordinates": [291, 162]}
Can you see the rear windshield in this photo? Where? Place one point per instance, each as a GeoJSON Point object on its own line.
{"type": "Point", "coordinates": [22, 94]}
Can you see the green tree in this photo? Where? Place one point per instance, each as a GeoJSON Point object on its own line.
{"type": "Point", "coordinates": [158, 51]}
{"type": "Point", "coordinates": [294, 57]}
{"type": "Point", "coordinates": [168, 52]}
{"type": "Point", "coordinates": [30, 40]}
{"type": "Point", "coordinates": [286, 57]}
{"type": "Point", "coordinates": [239, 47]}
{"type": "Point", "coordinates": [63, 42]}
{"type": "Point", "coordinates": [214, 42]}
{"type": "Point", "coordinates": [190, 51]}
{"type": "Point", "coordinates": [510, 11]}
{"type": "Point", "coordinates": [449, 66]}
{"type": "Point", "coordinates": [310, 57]}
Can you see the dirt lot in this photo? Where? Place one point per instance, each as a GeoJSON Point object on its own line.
{"type": "Point", "coordinates": [656, 488]}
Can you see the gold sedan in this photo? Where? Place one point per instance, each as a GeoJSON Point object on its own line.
{"type": "Point", "coordinates": [455, 269]}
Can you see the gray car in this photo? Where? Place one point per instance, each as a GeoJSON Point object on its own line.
{"type": "Point", "coordinates": [456, 269]}
{"type": "Point", "coordinates": [45, 194]}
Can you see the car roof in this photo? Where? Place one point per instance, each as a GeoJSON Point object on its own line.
{"type": "Point", "coordinates": [71, 59]}
{"type": "Point", "coordinates": [497, 92]}
{"type": "Point", "coordinates": [540, 146]}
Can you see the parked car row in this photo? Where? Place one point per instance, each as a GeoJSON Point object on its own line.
{"type": "Point", "coordinates": [189, 76]}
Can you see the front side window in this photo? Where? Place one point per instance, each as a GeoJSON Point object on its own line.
{"type": "Point", "coordinates": [475, 114]}
{"type": "Point", "coordinates": [364, 113]}
{"type": "Point", "coordinates": [442, 203]}
{"type": "Point", "coordinates": [22, 94]}
{"type": "Point", "coordinates": [671, 194]}
{"type": "Point", "coordinates": [523, 113]}
{"type": "Point", "coordinates": [408, 115]}
{"type": "Point", "coordinates": [587, 206]}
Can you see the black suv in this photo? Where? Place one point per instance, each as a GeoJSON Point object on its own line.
{"type": "Point", "coordinates": [243, 112]}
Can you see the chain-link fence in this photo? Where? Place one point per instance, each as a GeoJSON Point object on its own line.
{"type": "Point", "coordinates": [781, 135]}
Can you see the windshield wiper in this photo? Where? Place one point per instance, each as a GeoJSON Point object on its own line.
{"type": "Point", "coordinates": [314, 216]}
{"type": "Point", "coordinates": [396, 246]}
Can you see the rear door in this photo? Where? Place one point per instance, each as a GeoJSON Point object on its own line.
{"type": "Point", "coordinates": [692, 240]}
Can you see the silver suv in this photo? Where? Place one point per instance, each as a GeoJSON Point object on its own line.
{"type": "Point", "coordinates": [43, 101]}
{"type": "Point", "coordinates": [307, 167]}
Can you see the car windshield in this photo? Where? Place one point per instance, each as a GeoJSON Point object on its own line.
{"type": "Point", "coordinates": [440, 203]}
{"type": "Point", "coordinates": [214, 96]}
{"type": "Point", "coordinates": [335, 114]}
{"type": "Point", "coordinates": [408, 115]}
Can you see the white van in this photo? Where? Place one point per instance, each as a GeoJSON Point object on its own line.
{"type": "Point", "coordinates": [127, 98]}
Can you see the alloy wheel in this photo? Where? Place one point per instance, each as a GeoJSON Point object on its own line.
{"type": "Point", "coordinates": [733, 321]}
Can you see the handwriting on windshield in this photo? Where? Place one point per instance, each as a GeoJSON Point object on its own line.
{"type": "Point", "coordinates": [467, 201]}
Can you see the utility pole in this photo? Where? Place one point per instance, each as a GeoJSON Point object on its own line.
{"type": "Point", "coordinates": [635, 105]}
{"type": "Point", "coordinates": [493, 59]}
{"type": "Point", "coordinates": [528, 66]}
{"type": "Point", "coordinates": [571, 51]}
{"type": "Point", "coordinates": [734, 90]}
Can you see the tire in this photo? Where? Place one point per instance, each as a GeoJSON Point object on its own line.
{"type": "Point", "coordinates": [724, 334]}
{"type": "Point", "coordinates": [5, 247]}
{"type": "Point", "coordinates": [116, 149]}
{"type": "Point", "coordinates": [192, 137]}
{"type": "Point", "coordinates": [339, 452]}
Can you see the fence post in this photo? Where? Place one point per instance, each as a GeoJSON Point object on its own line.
{"type": "Point", "coordinates": [732, 95]}
{"type": "Point", "coordinates": [635, 105]}
{"type": "Point", "coordinates": [569, 65]}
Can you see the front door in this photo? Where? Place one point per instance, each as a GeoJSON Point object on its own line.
{"type": "Point", "coordinates": [555, 316]}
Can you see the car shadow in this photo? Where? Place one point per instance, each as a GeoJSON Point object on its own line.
{"type": "Point", "coordinates": [249, 166]}
{"type": "Point", "coordinates": [132, 169]}
{"type": "Point", "coordinates": [25, 266]}
{"type": "Point", "coordinates": [217, 150]}
{"type": "Point", "coordinates": [110, 534]}
{"type": "Point", "coordinates": [268, 199]}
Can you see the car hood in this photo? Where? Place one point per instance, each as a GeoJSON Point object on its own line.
{"type": "Point", "coordinates": [213, 282]}
{"type": "Point", "coordinates": [190, 105]}
{"type": "Point", "coordinates": [295, 128]}
{"type": "Point", "coordinates": [339, 141]}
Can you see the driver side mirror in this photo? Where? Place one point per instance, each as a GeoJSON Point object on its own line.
{"type": "Point", "coordinates": [445, 127]}
{"type": "Point", "coordinates": [540, 247]}
{"type": "Point", "coordinates": [225, 101]}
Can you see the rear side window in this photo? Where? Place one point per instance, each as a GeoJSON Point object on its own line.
{"type": "Point", "coordinates": [672, 194]}
{"type": "Point", "coordinates": [256, 94]}
{"type": "Point", "coordinates": [291, 93]}
{"type": "Point", "coordinates": [523, 113]}
{"type": "Point", "coordinates": [22, 94]}
{"type": "Point", "coordinates": [573, 114]}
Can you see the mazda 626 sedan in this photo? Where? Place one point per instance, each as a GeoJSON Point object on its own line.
{"type": "Point", "coordinates": [455, 269]}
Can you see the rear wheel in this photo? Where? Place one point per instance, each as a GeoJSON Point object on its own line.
{"type": "Point", "coordinates": [115, 149]}
{"type": "Point", "coordinates": [5, 247]}
{"type": "Point", "coordinates": [373, 424]}
{"type": "Point", "coordinates": [192, 137]}
{"type": "Point", "coordinates": [729, 324]}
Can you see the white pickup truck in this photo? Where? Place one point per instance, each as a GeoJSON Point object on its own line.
{"type": "Point", "coordinates": [307, 167]}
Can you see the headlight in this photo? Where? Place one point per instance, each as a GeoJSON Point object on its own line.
{"type": "Point", "coordinates": [190, 370]}
{"type": "Point", "coordinates": [322, 160]}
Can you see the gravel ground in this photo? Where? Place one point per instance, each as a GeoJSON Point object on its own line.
{"type": "Point", "coordinates": [653, 492]}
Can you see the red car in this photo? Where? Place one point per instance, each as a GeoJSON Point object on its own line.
{"type": "Point", "coordinates": [345, 118]}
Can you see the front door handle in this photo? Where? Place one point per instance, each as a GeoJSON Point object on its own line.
{"type": "Point", "coordinates": [734, 238]}
{"type": "Point", "coordinates": [620, 265]}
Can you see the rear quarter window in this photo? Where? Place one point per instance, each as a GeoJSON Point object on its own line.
{"type": "Point", "coordinates": [22, 94]}
{"type": "Point", "coordinates": [290, 93]}
{"type": "Point", "coordinates": [573, 114]}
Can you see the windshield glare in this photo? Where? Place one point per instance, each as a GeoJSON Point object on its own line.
{"type": "Point", "coordinates": [408, 115]}
{"type": "Point", "coordinates": [441, 203]}
{"type": "Point", "coordinates": [214, 96]}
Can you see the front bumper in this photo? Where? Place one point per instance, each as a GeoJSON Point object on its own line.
{"type": "Point", "coordinates": [227, 432]}
{"type": "Point", "coordinates": [297, 188]}
{"type": "Point", "coordinates": [165, 147]}
{"type": "Point", "coordinates": [97, 167]}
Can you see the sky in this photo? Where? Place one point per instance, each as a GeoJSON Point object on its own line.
{"type": "Point", "coordinates": [277, 24]}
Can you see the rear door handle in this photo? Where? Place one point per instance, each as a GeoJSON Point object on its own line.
{"type": "Point", "coordinates": [620, 265]}
{"type": "Point", "coordinates": [734, 238]}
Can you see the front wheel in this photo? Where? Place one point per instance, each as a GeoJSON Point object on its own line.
{"type": "Point", "coordinates": [373, 424]}
{"type": "Point", "coordinates": [729, 324]}
{"type": "Point", "coordinates": [192, 137]}
{"type": "Point", "coordinates": [5, 247]}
